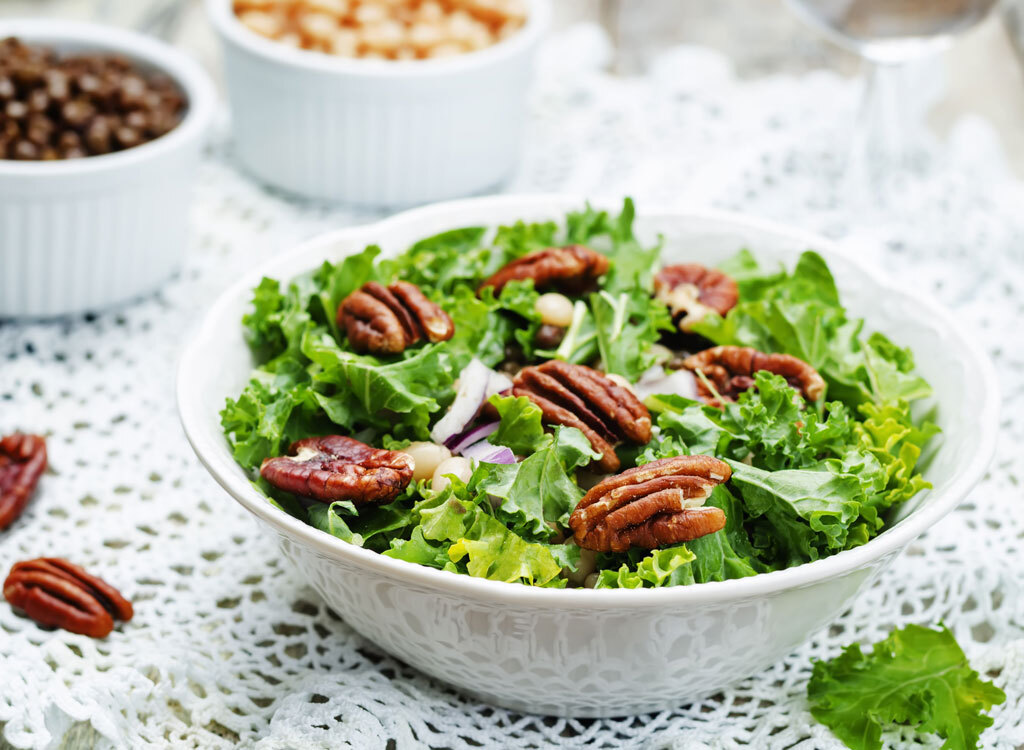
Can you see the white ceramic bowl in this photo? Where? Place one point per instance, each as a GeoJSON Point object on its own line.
{"type": "Point", "coordinates": [87, 233]}
{"type": "Point", "coordinates": [582, 652]}
{"type": "Point", "coordinates": [377, 132]}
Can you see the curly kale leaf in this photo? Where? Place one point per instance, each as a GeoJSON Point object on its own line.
{"type": "Point", "coordinates": [916, 676]}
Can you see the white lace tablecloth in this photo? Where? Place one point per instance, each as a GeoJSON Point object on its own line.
{"type": "Point", "coordinates": [229, 648]}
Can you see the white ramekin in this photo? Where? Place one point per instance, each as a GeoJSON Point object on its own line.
{"type": "Point", "coordinates": [377, 132]}
{"type": "Point", "coordinates": [583, 652]}
{"type": "Point", "coordinates": [87, 233]}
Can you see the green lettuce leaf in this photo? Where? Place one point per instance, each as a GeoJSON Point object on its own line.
{"type": "Point", "coordinates": [446, 260]}
{"type": "Point", "coordinates": [539, 490]}
{"type": "Point", "coordinates": [461, 258]}
{"type": "Point", "coordinates": [520, 428]}
{"type": "Point", "coordinates": [890, 437]}
{"type": "Point", "coordinates": [330, 518]}
{"type": "Point", "coordinates": [626, 326]}
{"type": "Point", "coordinates": [685, 428]}
{"type": "Point", "coordinates": [727, 553]}
{"type": "Point", "coordinates": [454, 530]}
{"type": "Point", "coordinates": [514, 314]}
{"type": "Point", "coordinates": [801, 515]}
{"type": "Point", "coordinates": [916, 676]}
{"type": "Point", "coordinates": [671, 566]}
{"type": "Point", "coordinates": [516, 240]}
{"type": "Point", "coordinates": [788, 454]}
{"type": "Point", "coordinates": [800, 314]}
{"type": "Point", "coordinates": [416, 549]}
{"type": "Point", "coordinates": [262, 326]}
{"type": "Point", "coordinates": [752, 280]}
{"type": "Point", "coordinates": [485, 326]}
{"type": "Point", "coordinates": [632, 264]}
{"type": "Point", "coordinates": [471, 536]}
{"type": "Point", "coordinates": [494, 552]}
{"type": "Point", "coordinates": [333, 282]}
{"type": "Point", "coordinates": [267, 417]}
{"type": "Point", "coordinates": [369, 390]}
{"type": "Point", "coordinates": [769, 425]}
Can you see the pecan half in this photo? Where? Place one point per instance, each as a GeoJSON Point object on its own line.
{"type": "Point", "coordinates": [387, 319]}
{"type": "Point", "coordinates": [22, 463]}
{"type": "Point", "coordinates": [690, 290]}
{"type": "Point", "coordinates": [571, 269]}
{"type": "Point", "coordinates": [55, 593]}
{"type": "Point", "coordinates": [577, 396]}
{"type": "Point", "coordinates": [654, 505]}
{"type": "Point", "coordinates": [339, 468]}
{"type": "Point", "coordinates": [731, 370]}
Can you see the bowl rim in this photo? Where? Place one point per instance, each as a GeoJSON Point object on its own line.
{"type": "Point", "coordinates": [224, 20]}
{"type": "Point", "coordinates": [187, 74]}
{"type": "Point", "coordinates": [226, 471]}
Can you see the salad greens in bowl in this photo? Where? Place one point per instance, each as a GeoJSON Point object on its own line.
{"type": "Point", "coordinates": [809, 478]}
{"type": "Point", "coordinates": [470, 421]}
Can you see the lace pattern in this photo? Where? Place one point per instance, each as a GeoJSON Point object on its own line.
{"type": "Point", "coordinates": [229, 648]}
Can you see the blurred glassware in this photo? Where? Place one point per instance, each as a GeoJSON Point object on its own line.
{"type": "Point", "coordinates": [159, 18]}
{"type": "Point", "coordinates": [1013, 17]}
{"type": "Point", "coordinates": [887, 34]}
{"type": "Point", "coordinates": [893, 31]}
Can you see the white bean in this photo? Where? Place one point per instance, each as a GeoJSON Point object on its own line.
{"type": "Point", "coordinates": [586, 566]}
{"type": "Point", "coordinates": [368, 13]}
{"type": "Point", "coordinates": [386, 35]}
{"type": "Point", "coordinates": [426, 458]}
{"type": "Point", "coordinates": [262, 23]}
{"type": "Point", "coordinates": [554, 309]}
{"type": "Point", "coordinates": [345, 42]}
{"type": "Point", "coordinates": [424, 36]}
{"type": "Point", "coordinates": [457, 465]}
{"type": "Point", "coordinates": [334, 7]}
{"type": "Point", "coordinates": [320, 26]}
{"type": "Point", "coordinates": [446, 49]}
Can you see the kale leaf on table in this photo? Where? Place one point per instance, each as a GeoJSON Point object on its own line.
{"type": "Point", "coordinates": [916, 676]}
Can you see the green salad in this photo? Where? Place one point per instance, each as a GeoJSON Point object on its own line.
{"type": "Point", "coordinates": [487, 383]}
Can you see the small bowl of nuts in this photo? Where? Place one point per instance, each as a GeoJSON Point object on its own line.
{"type": "Point", "coordinates": [100, 136]}
{"type": "Point", "coordinates": [379, 103]}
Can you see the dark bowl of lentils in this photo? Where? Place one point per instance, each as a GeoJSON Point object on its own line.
{"type": "Point", "coordinates": [101, 133]}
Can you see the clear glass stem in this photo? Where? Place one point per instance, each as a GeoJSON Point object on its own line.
{"type": "Point", "coordinates": [888, 148]}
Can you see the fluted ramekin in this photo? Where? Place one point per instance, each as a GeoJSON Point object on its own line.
{"type": "Point", "coordinates": [377, 132]}
{"type": "Point", "coordinates": [87, 233]}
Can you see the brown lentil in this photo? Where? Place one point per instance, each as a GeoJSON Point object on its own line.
{"type": "Point", "coordinates": [54, 107]}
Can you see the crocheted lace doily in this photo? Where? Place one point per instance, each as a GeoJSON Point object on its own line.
{"type": "Point", "coordinates": [228, 647]}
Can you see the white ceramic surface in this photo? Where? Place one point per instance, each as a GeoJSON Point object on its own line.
{"type": "Point", "coordinates": [87, 233]}
{"type": "Point", "coordinates": [377, 132]}
{"type": "Point", "coordinates": [610, 652]}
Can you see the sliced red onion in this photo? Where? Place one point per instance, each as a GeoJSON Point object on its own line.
{"type": "Point", "coordinates": [457, 442]}
{"type": "Point", "coordinates": [489, 453]}
{"type": "Point", "coordinates": [477, 383]}
{"type": "Point", "coordinates": [655, 381]}
{"type": "Point", "coordinates": [497, 382]}
{"type": "Point", "coordinates": [469, 399]}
